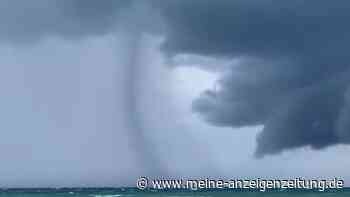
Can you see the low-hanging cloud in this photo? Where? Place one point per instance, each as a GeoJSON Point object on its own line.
{"type": "Point", "coordinates": [293, 76]}
{"type": "Point", "coordinates": [293, 73]}
{"type": "Point", "coordinates": [27, 22]}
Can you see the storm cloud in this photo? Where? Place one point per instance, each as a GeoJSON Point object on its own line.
{"type": "Point", "coordinates": [293, 73]}
{"type": "Point", "coordinates": [28, 22]}
{"type": "Point", "coordinates": [293, 68]}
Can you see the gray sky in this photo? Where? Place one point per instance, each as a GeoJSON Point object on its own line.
{"type": "Point", "coordinates": [100, 93]}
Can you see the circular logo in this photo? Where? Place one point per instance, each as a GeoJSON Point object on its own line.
{"type": "Point", "coordinates": [142, 183]}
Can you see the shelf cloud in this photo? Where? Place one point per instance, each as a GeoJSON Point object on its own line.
{"type": "Point", "coordinates": [293, 74]}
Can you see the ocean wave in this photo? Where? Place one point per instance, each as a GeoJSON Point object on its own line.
{"type": "Point", "coordinates": [105, 195]}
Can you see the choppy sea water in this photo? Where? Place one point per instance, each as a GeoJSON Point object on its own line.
{"type": "Point", "coordinates": [130, 192]}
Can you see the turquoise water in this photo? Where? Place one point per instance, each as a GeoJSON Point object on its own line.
{"type": "Point", "coordinates": [136, 193]}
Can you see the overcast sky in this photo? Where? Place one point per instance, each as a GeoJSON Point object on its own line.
{"type": "Point", "coordinates": [98, 93]}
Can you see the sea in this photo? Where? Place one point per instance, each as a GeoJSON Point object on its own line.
{"type": "Point", "coordinates": [134, 192]}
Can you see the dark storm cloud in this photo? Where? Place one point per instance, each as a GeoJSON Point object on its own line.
{"type": "Point", "coordinates": [294, 75]}
{"type": "Point", "coordinates": [27, 21]}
